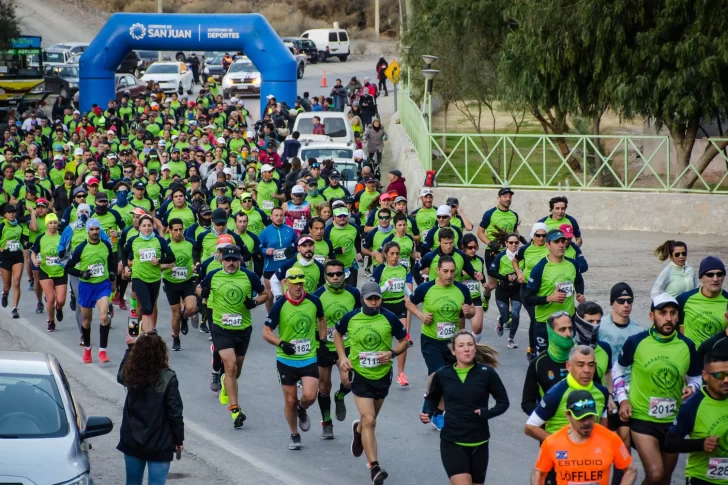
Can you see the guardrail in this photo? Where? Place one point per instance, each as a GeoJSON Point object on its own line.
{"type": "Point", "coordinates": [539, 161]}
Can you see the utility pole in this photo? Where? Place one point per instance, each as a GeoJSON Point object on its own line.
{"type": "Point", "coordinates": [159, 10]}
{"type": "Point", "coordinates": [376, 19]}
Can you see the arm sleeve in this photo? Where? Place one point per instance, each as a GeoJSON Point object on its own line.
{"type": "Point", "coordinates": [531, 298]}
{"type": "Point", "coordinates": [75, 258]}
{"type": "Point", "coordinates": [174, 411]}
{"type": "Point", "coordinates": [498, 391]}
{"type": "Point", "coordinates": [468, 267]}
{"type": "Point", "coordinates": [677, 440]}
{"type": "Point", "coordinates": [485, 221]}
{"type": "Point", "coordinates": [342, 326]}
{"type": "Point", "coordinates": [275, 314]}
{"type": "Point", "coordinates": [581, 262]}
{"type": "Point", "coordinates": [493, 268]}
{"type": "Point", "coordinates": [531, 394]}
{"type": "Point", "coordinates": [110, 260]}
{"type": "Point", "coordinates": [579, 280]}
{"type": "Point", "coordinates": [126, 252]}
{"type": "Point", "coordinates": [549, 404]}
{"type": "Point", "coordinates": [167, 254]}
{"type": "Point", "coordinates": [275, 285]}
{"type": "Point", "coordinates": [433, 396]}
{"type": "Point", "coordinates": [36, 245]}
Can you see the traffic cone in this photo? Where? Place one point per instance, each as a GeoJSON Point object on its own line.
{"type": "Point", "coordinates": [323, 80]}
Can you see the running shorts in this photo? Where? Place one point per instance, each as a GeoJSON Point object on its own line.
{"type": "Point", "coordinates": [90, 293]}
{"type": "Point", "coordinates": [465, 460]}
{"type": "Point", "coordinates": [615, 421]}
{"type": "Point", "coordinates": [238, 340]}
{"type": "Point", "coordinates": [399, 309]}
{"type": "Point", "coordinates": [656, 430]}
{"type": "Point", "coordinates": [436, 353]}
{"type": "Point", "coordinates": [268, 274]}
{"type": "Point", "coordinates": [10, 259]}
{"type": "Point", "coordinates": [59, 281]}
{"type": "Point", "coordinates": [330, 358]}
{"type": "Point", "coordinates": [178, 291]}
{"type": "Point", "coordinates": [289, 376]}
{"type": "Point", "coordinates": [478, 301]}
{"type": "Point", "coordinates": [146, 295]}
{"type": "Point", "coordinates": [368, 388]}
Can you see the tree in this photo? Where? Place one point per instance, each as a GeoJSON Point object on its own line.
{"type": "Point", "coordinates": [9, 25]}
{"type": "Point", "coordinates": [677, 72]}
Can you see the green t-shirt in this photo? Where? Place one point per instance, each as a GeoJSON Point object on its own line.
{"type": "Point", "coordinates": [336, 304]}
{"type": "Point", "coordinates": [392, 278]}
{"type": "Point", "coordinates": [700, 316]}
{"type": "Point", "coordinates": [531, 255]}
{"type": "Point", "coordinates": [552, 407]}
{"type": "Point", "coordinates": [255, 221]}
{"type": "Point", "coordinates": [178, 167]}
{"type": "Point", "coordinates": [366, 199]}
{"type": "Point", "coordinates": [298, 325]}
{"type": "Point", "coordinates": [33, 235]}
{"type": "Point", "coordinates": [94, 258]}
{"type": "Point", "coordinates": [497, 218]}
{"type": "Point", "coordinates": [435, 258]}
{"type": "Point", "coordinates": [321, 251]}
{"type": "Point", "coordinates": [144, 203]}
{"type": "Point", "coordinates": [333, 193]}
{"type": "Point", "coordinates": [426, 219]}
{"type": "Point", "coordinates": [445, 304]}
{"type": "Point", "coordinates": [10, 237]}
{"type": "Point", "coordinates": [406, 248]}
{"type": "Point", "coordinates": [369, 335]}
{"type": "Point", "coordinates": [265, 199]}
{"type": "Point", "coordinates": [142, 252]}
{"type": "Point", "coordinates": [183, 264]}
{"type": "Point", "coordinates": [186, 214]}
{"type": "Point", "coordinates": [315, 201]}
{"type": "Point", "coordinates": [46, 250]}
{"type": "Point", "coordinates": [657, 374]}
{"type": "Point", "coordinates": [343, 237]}
{"type": "Point", "coordinates": [109, 221]}
{"type": "Point", "coordinates": [474, 286]}
{"type": "Point", "coordinates": [546, 277]}
{"type": "Point", "coordinates": [153, 191]}
{"type": "Point", "coordinates": [228, 293]}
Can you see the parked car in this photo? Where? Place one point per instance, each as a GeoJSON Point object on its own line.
{"type": "Point", "coordinates": [52, 58]}
{"type": "Point", "coordinates": [243, 78]}
{"type": "Point", "coordinates": [336, 125]}
{"type": "Point", "coordinates": [304, 46]}
{"type": "Point", "coordinates": [72, 47]}
{"type": "Point", "coordinates": [44, 431]}
{"type": "Point", "coordinates": [172, 77]}
{"type": "Point", "coordinates": [330, 43]}
{"type": "Point", "coordinates": [131, 64]}
{"type": "Point", "coordinates": [61, 80]}
{"type": "Point", "coordinates": [301, 60]}
{"type": "Point", "coordinates": [127, 82]}
{"type": "Point", "coordinates": [148, 58]}
{"type": "Point", "coordinates": [214, 67]}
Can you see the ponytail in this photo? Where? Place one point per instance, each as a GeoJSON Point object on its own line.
{"type": "Point", "coordinates": [484, 354]}
{"type": "Point", "coordinates": [664, 251]}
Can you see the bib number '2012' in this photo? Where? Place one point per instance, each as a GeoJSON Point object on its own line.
{"type": "Point", "coordinates": [662, 407]}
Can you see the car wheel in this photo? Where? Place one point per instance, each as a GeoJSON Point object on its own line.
{"type": "Point", "coordinates": [181, 57]}
{"type": "Point", "coordinates": [181, 90]}
{"type": "Point", "coordinates": [300, 71]}
{"type": "Point", "coordinates": [343, 58]}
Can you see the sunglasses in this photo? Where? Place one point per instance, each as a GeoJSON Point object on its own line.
{"type": "Point", "coordinates": [511, 242]}
{"type": "Point", "coordinates": [80, 196]}
{"type": "Point", "coordinates": [248, 200]}
{"type": "Point", "coordinates": [715, 274]}
{"type": "Point", "coordinates": [624, 301]}
{"type": "Point", "coordinates": [585, 404]}
{"type": "Point", "coordinates": [384, 218]}
{"type": "Point", "coordinates": [540, 236]}
{"type": "Point", "coordinates": [443, 217]}
{"type": "Point", "coordinates": [472, 247]}
{"type": "Point", "coordinates": [128, 171]}
{"type": "Point", "coordinates": [335, 274]}
{"type": "Point", "coordinates": [68, 178]}
{"type": "Point", "coordinates": [342, 216]}
{"type": "Point", "coordinates": [560, 313]}
{"type": "Point", "coordinates": [679, 254]}
{"type": "Point", "coordinates": [231, 259]}
{"type": "Point", "coordinates": [718, 375]}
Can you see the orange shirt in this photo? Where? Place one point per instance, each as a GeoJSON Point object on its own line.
{"type": "Point", "coordinates": [586, 463]}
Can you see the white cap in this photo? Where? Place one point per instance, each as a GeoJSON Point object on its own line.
{"type": "Point", "coordinates": [77, 112]}
{"type": "Point", "coordinates": [37, 160]}
{"type": "Point", "coordinates": [174, 137]}
{"type": "Point", "coordinates": [220, 140]}
{"type": "Point", "coordinates": [111, 132]}
{"type": "Point", "coordinates": [266, 168]}
{"type": "Point", "coordinates": [209, 127]}
{"type": "Point", "coordinates": [153, 104]}
{"type": "Point", "coordinates": [165, 167]}
{"type": "Point", "coordinates": [425, 191]}
{"type": "Point", "coordinates": [227, 171]}
{"type": "Point", "coordinates": [270, 96]}
{"type": "Point", "coordinates": [234, 100]}
{"type": "Point", "coordinates": [443, 210]}
{"type": "Point", "coordinates": [78, 151]}
{"type": "Point", "coordinates": [662, 300]}
{"type": "Point", "coordinates": [162, 143]}
{"type": "Point", "coordinates": [360, 154]}
{"type": "Point", "coordinates": [58, 157]}
{"type": "Point", "coordinates": [249, 134]}
{"type": "Point", "coordinates": [297, 189]}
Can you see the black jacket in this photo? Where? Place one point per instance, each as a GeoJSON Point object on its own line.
{"type": "Point", "coordinates": [463, 424]}
{"type": "Point", "coordinates": [152, 425]}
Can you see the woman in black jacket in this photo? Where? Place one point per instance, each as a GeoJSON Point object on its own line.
{"type": "Point", "coordinates": [466, 387]}
{"type": "Point", "coordinates": [152, 429]}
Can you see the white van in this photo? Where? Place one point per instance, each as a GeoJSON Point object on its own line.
{"type": "Point", "coordinates": [335, 123]}
{"type": "Point", "coordinates": [330, 43]}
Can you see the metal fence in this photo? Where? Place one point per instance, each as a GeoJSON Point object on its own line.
{"type": "Point", "coordinates": [538, 161]}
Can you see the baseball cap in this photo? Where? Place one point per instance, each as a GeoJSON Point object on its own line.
{"type": "Point", "coordinates": [567, 230]}
{"type": "Point", "coordinates": [399, 198]}
{"type": "Point", "coordinates": [165, 167]}
{"type": "Point", "coordinates": [295, 275]}
{"type": "Point", "coordinates": [341, 211]}
{"type": "Point", "coordinates": [102, 196]}
{"type": "Point", "coordinates": [298, 190]}
{"type": "Point", "coordinates": [385, 196]}
{"type": "Point", "coordinates": [305, 239]}
{"type": "Point", "coordinates": [553, 235]}
{"type": "Point", "coordinates": [425, 191]}
{"type": "Point", "coordinates": [505, 190]}
{"type": "Point", "coordinates": [443, 210]}
{"type": "Point", "coordinates": [662, 300]}
{"type": "Point", "coordinates": [370, 289]}
{"type": "Point", "coordinates": [78, 152]}
{"type": "Point", "coordinates": [92, 180]}
{"type": "Point", "coordinates": [42, 201]}
{"type": "Point", "coordinates": [224, 240]}
{"type": "Point", "coordinates": [231, 252]}
{"type": "Point", "coordinates": [220, 140]}
{"type": "Point", "coordinates": [139, 211]}
{"type": "Point", "coordinates": [205, 209]}
{"type": "Point", "coordinates": [219, 216]}
{"type": "Point", "coordinates": [139, 186]}
{"type": "Point", "coordinates": [581, 404]}
{"type": "Point", "coordinates": [266, 168]}
{"type": "Point", "coordinates": [452, 201]}
{"type": "Point", "coordinates": [620, 290]}
{"type": "Point", "coordinates": [58, 157]}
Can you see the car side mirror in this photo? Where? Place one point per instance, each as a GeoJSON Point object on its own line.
{"type": "Point", "coordinates": [96, 426]}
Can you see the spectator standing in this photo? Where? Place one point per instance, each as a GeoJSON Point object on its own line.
{"type": "Point", "coordinates": [382, 66]}
{"type": "Point", "coordinates": [353, 88]}
{"type": "Point", "coordinates": [339, 95]}
{"type": "Point", "coordinates": [375, 136]}
{"type": "Point", "coordinates": [152, 428]}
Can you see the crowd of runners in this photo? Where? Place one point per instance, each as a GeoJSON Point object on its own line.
{"type": "Point", "coordinates": [191, 198]}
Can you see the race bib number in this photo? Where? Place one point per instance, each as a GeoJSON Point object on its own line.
{"type": "Point", "coordinates": [662, 407]}
{"type": "Point", "coordinates": [267, 205]}
{"type": "Point", "coordinates": [232, 319]}
{"type": "Point", "coordinates": [330, 334]}
{"type": "Point", "coordinates": [396, 285]}
{"type": "Point", "coordinates": [405, 263]}
{"type": "Point", "coordinates": [146, 255]}
{"type": "Point", "coordinates": [445, 330]}
{"type": "Point", "coordinates": [369, 359]}
{"type": "Point", "coordinates": [424, 235]}
{"type": "Point", "coordinates": [717, 468]}
{"type": "Point", "coordinates": [96, 270]}
{"type": "Point", "coordinates": [12, 246]}
{"type": "Point", "coordinates": [179, 272]}
{"type": "Point", "coordinates": [299, 224]}
{"type": "Point", "coordinates": [565, 287]}
{"type": "Point", "coordinates": [302, 346]}
{"type": "Point", "coordinates": [320, 259]}
{"type": "Point", "coordinates": [52, 261]}
{"type": "Point", "coordinates": [473, 286]}
{"type": "Point", "coordinates": [279, 255]}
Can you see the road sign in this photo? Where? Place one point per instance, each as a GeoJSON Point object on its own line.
{"type": "Point", "coordinates": [393, 71]}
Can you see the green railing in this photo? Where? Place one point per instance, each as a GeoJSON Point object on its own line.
{"type": "Point", "coordinates": [537, 161]}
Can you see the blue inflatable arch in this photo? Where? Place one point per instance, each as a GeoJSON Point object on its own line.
{"type": "Point", "coordinates": [124, 32]}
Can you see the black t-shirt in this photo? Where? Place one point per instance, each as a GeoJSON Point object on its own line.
{"type": "Point", "coordinates": [717, 343]}
{"type": "Point", "coordinates": [542, 374]}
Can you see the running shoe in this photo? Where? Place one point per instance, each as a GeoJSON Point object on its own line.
{"type": "Point", "coordinates": [499, 329]}
{"type": "Point", "coordinates": [223, 397]}
{"type": "Point", "coordinates": [303, 421]}
{"type": "Point", "coordinates": [86, 355]}
{"type": "Point", "coordinates": [402, 380]}
{"type": "Point", "coordinates": [116, 301]}
{"type": "Point", "coordinates": [340, 407]}
{"type": "Point", "coordinates": [39, 308]}
{"type": "Point", "coordinates": [295, 443]}
{"type": "Point", "coordinates": [195, 320]}
{"type": "Point", "coordinates": [15, 313]}
{"type": "Point", "coordinates": [409, 340]}
{"type": "Point", "coordinates": [357, 448]}
{"type": "Point", "coordinates": [59, 314]}
{"type": "Point", "coordinates": [378, 475]}
{"type": "Point", "coordinates": [215, 382]}
{"type": "Point", "coordinates": [183, 327]}
{"type": "Point", "coordinates": [176, 344]}
{"type": "Point", "coordinates": [204, 329]}
{"type": "Point", "coordinates": [122, 305]}
{"type": "Point", "coordinates": [103, 358]}
{"type": "Point", "coordinates": [5, 300]}
{"type": "Point", "coordinates": [51, 326]}
{"type": "Point", "coordinates": [512, 344]}
{"type": "Point", "coordinates": [438, 421]}
{"type": "Point", "coordinates": [237, 415]}
{"type": "Point", "coordinates": [327, 433]}
{"type": "Point", "coordinates": [71, 304]}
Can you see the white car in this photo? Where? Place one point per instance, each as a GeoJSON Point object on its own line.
{"type": "Point", "coordinates": [72, 47]}
{"type": "Point", "coordinates": [173, 77]}
{"type": "Point", "coordinates": [342, 155]}
{"type": "Point", "coordinates": [335, 123]}
{"type": "Point", "coordinates": [242, 78]}
{"type": "Point", "coordinates": [330, 43]}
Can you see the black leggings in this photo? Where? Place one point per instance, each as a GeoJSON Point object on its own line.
{"type": "Point", "coordinates": [382, 86]}
{"type": "Point", "coordinates": [532, 324]}
{"type": "Point", "coordinates": [465, 460]}
{"type": "Point", "coordinates": [353, 277]}
{"type": "Point", "coordinates": [146, 294]}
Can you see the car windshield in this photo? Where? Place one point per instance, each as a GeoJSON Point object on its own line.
{"type": "Point", "coordinates": [30, 407]}
{"type": "Point", "coordinates": [325, 153]}
{"type": "Point", "coordinates": [242, 67]}
{"type": "Point", "coordinates": [54, 57]}
{"type": "Point", "coordinates": [68, 71]}
{"type": "Point", "coordinates": [149, 55]}
{"type": "Point", "coordinates": [217, 60]}
{"type": "Point", "coordinates": [335, 127]}
{"type": "Point", "coordinates": [163, 69]}
{"type": "Point", "coordinates": [347, 171]}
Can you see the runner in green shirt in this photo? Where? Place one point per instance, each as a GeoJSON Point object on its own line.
{"type": "Point", "coordinates": [301, 323]}
{"type": "Point", "coordinates": [269, 190]}
{"type": "Point", "coordinates": [53, 279]}
{"type": "Point", "coordinates": [702, 310]}
{"type": "Point", "coordinates": [12, 241]}
{"type": "Point", "coordinates": [179, 284]}
{"type": "Point", "coordinates": [370, 329]}
{"type": "Point", "coordinates": [34, 226]}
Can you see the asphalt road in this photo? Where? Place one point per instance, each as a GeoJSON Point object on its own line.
{"type": "Point", "coordinates": [258, 453]}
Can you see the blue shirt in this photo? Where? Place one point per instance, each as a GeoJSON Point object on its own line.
{"type": "Point", "coordinates": [278, 238]}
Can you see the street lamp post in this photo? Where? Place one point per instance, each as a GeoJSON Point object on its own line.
{"type": "Point", "coordinates": [430, 75]}
{"type": "Point", "coordinates": [406, 49]}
